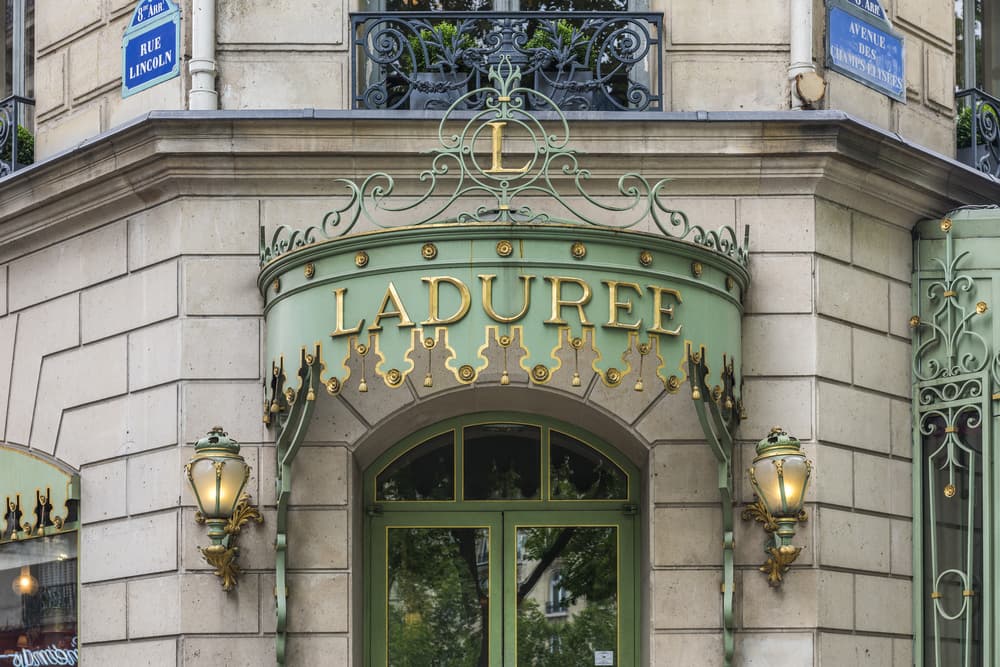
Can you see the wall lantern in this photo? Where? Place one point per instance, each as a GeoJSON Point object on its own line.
{"type": "Point", "coordinates": [779, 475]}
{"type": "Point", "coordinates": [218, 474]}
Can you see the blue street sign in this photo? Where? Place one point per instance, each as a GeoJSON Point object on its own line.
{"type": "Point", "coordinates": [151, 46]}
{"type": "Point", "coordinates": [873, 7]}
{"type": "Point", "coordinates": [865, 49]}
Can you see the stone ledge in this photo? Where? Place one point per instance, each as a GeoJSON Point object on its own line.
{"type": "Point", "coordinates": [164, 154]}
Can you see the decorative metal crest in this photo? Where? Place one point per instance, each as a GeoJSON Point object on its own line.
{"type": "Point", "coordinates": [457, 172]}
{"type": "Point", "coordinates": [945, 344]}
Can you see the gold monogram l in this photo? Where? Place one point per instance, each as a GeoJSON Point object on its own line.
{"type": "Point", "coordinates": [498, 167]}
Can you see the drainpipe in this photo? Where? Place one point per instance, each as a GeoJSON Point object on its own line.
{"type": "Point", "coordinates": [807, 86]}
{"type": "Point", "coordinates": [203, 95]}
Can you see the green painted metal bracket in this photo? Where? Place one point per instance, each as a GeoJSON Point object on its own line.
{"type": "Point", "coordinates": [293, 409]}
{"type": "Point", "coordinates": [719, 412]}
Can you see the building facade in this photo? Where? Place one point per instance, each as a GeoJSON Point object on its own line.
{"type": "Point", "coordinates": [498, 398]}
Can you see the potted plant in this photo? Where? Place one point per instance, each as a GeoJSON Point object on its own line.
{"type": "Point", "coordinates": [566, 64]}
{"type": "Point", "coordinates": [25, 148]}
{"type": "Point", "coordinates": [966, 153]}
{"type": "Point", "coordinates": [433, 65]}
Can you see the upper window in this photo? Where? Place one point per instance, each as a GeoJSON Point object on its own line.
{"type": "Point", "coordinates": [506, 5]}
{"type": "Point", "coordinates": [17, 101]}
{"type": "Point", "coordinates": [501, 461]}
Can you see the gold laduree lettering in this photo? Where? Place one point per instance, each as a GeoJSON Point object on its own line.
{"type": "Point", "coordinates": [614, 305]}
{"type": "Point", "coordinates": [619, 305]}
{"type": "Point", "coordinates": [487, 280]}
{"type": "Point", "coordinates": [659, 310]}
{"type": "Point", "coordinates": [558, 302]}
{"type": "Point", "coordinates": [391, 296]}
{"type": "Point", "coordinates": [434, 300]}
{"type": "Point", "coordinates": [338, 295]}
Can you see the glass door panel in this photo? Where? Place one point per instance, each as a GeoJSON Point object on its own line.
{"type": "Point", "coordinates": [564, 592]}
{"type": "Point", "coordinates": [502, 462]}
{"type": "Point", "coordinates": [436, 588]}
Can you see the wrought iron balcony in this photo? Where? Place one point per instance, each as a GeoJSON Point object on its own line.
{"type": "Point", "coordinates": [581, 60]}
{"type": "Point", "coordinates": [978, 129]}
{"type": "Point", "coordinates": [17, 145]}
{"type": "Point", "coordinates": [557, 607]}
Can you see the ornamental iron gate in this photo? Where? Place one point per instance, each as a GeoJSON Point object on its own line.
{"type": "Point", "coordinates": [956, 373]}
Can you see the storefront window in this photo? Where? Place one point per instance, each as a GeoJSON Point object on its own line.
{"type": "Point", "coordinates": [38, 607]}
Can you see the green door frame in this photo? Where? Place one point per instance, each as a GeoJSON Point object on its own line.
{"type": "Point", "coordinates": [501, 518]}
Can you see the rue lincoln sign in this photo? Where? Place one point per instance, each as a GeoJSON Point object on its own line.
{"type": "Point", "coordinates": [151, 46]}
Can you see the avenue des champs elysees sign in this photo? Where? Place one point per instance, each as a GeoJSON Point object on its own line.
{"type": "Point", "coordinates": [503, 288]}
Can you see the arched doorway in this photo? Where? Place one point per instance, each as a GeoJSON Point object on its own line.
{"type": "Point", "coordinates": [500, 539]}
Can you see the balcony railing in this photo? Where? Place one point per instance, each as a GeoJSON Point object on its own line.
{"type": "Point", "coordinates": [558, 607]}
{"type": "Point", "coordinates": [17, 146]}
{"type": "Point", "coordinates": [581, 60]}
{"type": "Point", "coordinates": [978, 128]}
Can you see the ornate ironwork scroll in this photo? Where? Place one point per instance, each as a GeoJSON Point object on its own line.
{"type": "Point", "coordinates": [954, 484]}
{"type": "Point", "coordinates": [978, 130]}
{"type": "Point", "coordinates": [583, 60]}
{"type": "Point", "coordinates": [720, 410]}
{"type": "Point", "coordinates": [456, 174]}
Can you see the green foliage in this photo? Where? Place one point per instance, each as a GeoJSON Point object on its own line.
{"type": "Point", "coordinates": [436, 594]}
{"type": "Point", "coordinates": [568, 44]}
{"type": "Point", "coordinates": [963, 124]}
{"type": "Point", "coordinates": [438, 46]}
{"type": "Point", "coordinates": [566, 641]}
{"type": "Point", "coordinates": [588, 560]}
{"type": "Point", "coordinates": [25, 147]}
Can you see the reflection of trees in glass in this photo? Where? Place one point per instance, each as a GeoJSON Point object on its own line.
{"type": "Point", "coordinates": [580, 472]}
{"type": "Point", "coordinates": [545, 642]}
{"type": "Point", "coordinates": [586, 558]}
{"type": "Point", "coordinates": [438, 598]}
{"type": "Point", "coordinates": [502, 462]}
{"type": "Point", "coordinates": [422, 473]}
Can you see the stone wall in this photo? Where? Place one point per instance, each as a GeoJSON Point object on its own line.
{"type": "Point", "coordinates": [78, 72]}
{"type": "Point", "coordinates": [827, 355]}
{"type": "Point", "coordinates": [723, 55]}
{"type": "Point", "coordinates": [927, 116]}
{"type": "Point", "coordinates": [122, 344]}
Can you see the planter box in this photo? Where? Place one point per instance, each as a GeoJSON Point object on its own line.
{"type": "Point", "coordinates": [558, 87]}
{"type": "Point", "coordinates": [446, 88]}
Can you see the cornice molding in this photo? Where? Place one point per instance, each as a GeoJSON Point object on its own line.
{"type": "Point", "coordinates": [164, 155]}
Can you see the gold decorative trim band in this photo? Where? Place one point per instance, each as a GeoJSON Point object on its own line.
{"type": "Point", "coordinates": [951, 429]}
{"type": "Point", "coordinates": [968, 593]}
{"type": "Point", "coordinates": [950, 294]}
{"type": "Point", "coordinates": [936, 595]}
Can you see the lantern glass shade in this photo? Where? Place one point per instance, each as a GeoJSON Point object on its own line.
{"type": "Point", "coordinates": [780, 482]}
{"type": "Point", "coordinates": [218, 482]}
